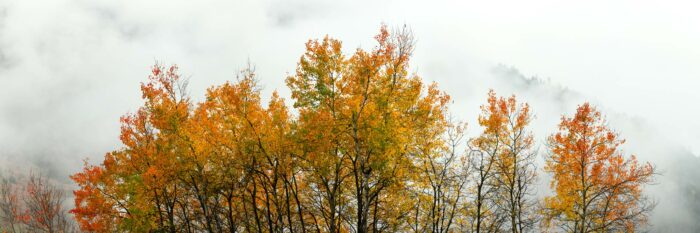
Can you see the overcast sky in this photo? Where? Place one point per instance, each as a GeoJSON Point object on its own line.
{"type": "Point", "coordinates": [70, 69]}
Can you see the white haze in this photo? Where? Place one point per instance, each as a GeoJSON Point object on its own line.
{"type": "Point", "coordinates": [70, 69]}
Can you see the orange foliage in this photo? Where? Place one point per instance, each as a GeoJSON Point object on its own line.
{"type": "Point", "coordinates": [365, 137]}
{"type": "Point", "coordinates": [596, 188]}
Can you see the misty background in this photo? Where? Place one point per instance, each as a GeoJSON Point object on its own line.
{"type": "Point", "coordinates": [70, 69]}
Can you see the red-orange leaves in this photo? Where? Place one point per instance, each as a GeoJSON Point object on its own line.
{"type": "Point", "coordinates": [93, 211]}
{"type": "Point", "coordinates": [32, 204]}
{"type": "Point", "coordinates": [596, 188]}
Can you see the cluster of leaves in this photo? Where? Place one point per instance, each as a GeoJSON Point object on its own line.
{"type": "Point", "coordinates": [371, 149]}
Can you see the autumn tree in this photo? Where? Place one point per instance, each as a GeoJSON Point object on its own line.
{"type": "Point", "coordinates": [316, 89]}
{"type": "Point", "coordinates": [135, 188]}
{"type": "Point", "coordinates": [442, 173]}
{"type": "Point", "coordinates": [515, 165]}
{"type": "Point", "coordinates": [251, 149]}
{"type": "Point", "coordinates": [44, 206]}
{"type": "Point", "coordinates": [597, 188]}
{"type": "Point", "coordinates": [11, 213]}
{"type": "Point", "coordinates": [503, 168]}
{"type": "Point", "coordinates": [33, 204]}
{"type": "Point", "coordinates": [484, 151]}
{"type": "Point", "coordinates": [366, 110]}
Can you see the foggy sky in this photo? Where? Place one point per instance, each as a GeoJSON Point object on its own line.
{"type": "Point", "coordinates": [70, 69]}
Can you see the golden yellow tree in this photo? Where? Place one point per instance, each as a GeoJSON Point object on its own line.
{"type": "Point", "coordinates": [441, 176]}
{"type": "Point", "coordinates": [363, 113]}
{"type": "Point", "coordinates": [316, 88]}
